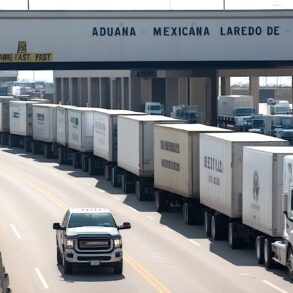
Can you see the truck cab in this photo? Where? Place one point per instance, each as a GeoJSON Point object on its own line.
{"type": "Point", "coordinates": [283, 127]}
{"type": "Point", "coordinates": [89, 236]}
{"type": "Point", "coordinates": [153, 108]}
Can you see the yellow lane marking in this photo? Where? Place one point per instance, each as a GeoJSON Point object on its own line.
{"type": "Point", "coordinates": [152, 280]}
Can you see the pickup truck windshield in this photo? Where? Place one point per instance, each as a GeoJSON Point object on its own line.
{"type": "Point", "coordinates": [91, 219]}
{"type": "Point", "coordinates": [155, 107]}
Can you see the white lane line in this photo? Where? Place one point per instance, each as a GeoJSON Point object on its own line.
{"type": "Point", "coordinates": [117, 198]}
{"type": "Point", "coordinates": [243, 274]}
{"type": "Point", "coordinates": [134, 210]}
{"type": "Point", "coordinates": [15, 231]}
{"type": "Point", "coordinates": [45, 285]}
{"type": "Point", "coordinates": [151, 218]}
{"type": "Point", "coordinates": [101, 190]}
{"type": "Point", "coordinates": [274, 286]}
{"type": "Point", "coordinates": [194, 242]}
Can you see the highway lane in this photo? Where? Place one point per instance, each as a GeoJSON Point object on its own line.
{"type": "Point", "coordinates": [162, 254]}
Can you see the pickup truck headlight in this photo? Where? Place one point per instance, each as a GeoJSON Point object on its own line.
{"type": "Point", "coordinates": [118, 243]}
{"type": "Point", "coordinates": [69, 243]}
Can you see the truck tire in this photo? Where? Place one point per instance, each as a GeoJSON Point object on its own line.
{"type": "Point", "coordinates": [268, 257]}
{"type": "Point", "coordinates": [189, 211]}
{"type": "Point", "coordinates": [67, 266]}
{"type": "Point", "coordinates": [233, 235]}
{"type": "Point", "coordinates": [259, 249]}
{"type": "Point", "coordinates": [118, 268]}
{"type": "Point", "coordinates": [161, 202]}
{"type": "Point", "coordinates": [207, 223]}
{"type": "Point", "coordinates": [59, 257]}
{"type": "Point", "coordinates": [219, 227]}
{"type": "Point", "coordinates": [290, 264]}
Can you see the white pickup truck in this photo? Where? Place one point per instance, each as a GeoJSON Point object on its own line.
{"type": "Point", "coordinates": [89, 236]}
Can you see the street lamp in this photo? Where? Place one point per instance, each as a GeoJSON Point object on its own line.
{"type": "Point", "coordinates": [28, 4]}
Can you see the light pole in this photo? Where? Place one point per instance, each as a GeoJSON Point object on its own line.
{"type": "Point", "coordinates": [224, 5]}
{"type": "Point", "coordinates": [28, 4]}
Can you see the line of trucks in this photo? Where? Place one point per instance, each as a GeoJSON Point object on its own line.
{"type": "Point", "coordinates": [238, 184]}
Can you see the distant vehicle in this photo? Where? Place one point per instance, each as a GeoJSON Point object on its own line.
{"type": "Point", "coordinates": [235, 111]}
{"type": "Point", "coordinates": [188, 113]}
{"type": "Point", "coordinates": [153, 108]}
{"type": "Point", "coordinates": [271, 101]}
{"type": "Point", "coordinates": [280, 107]}
{"type": "Point", "coordinates": [89, 236]}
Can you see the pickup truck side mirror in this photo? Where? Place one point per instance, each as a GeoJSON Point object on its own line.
{"type": "Point", "coordinates": [57, 226]}
{"type": "Point", "coordinates": [125, 225]}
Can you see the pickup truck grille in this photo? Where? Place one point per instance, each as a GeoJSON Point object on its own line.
{"type": "Point", "coordinates": [94, 243]}
{"type": "Point", "coordinates": [89, 258]}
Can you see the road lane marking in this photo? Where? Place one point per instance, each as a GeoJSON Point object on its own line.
{"type": "Point", "coordinates": [194, 242]}
{"type": "Point", "coordinates": [274, 286]}
{"type": "Point", "coordinates": [159, 287]}
{"type": "Point", "coordinates": [15, 231]}
{"type": "Point", "coordinates": [42, 279]}
{"type": "Point", "coordinates": [144, 273]}
{"type": "Point", "coordinates": [117, 198]}
{"type": "Point", "coordinates": [101, 190]}
{"type": "Point", "coordinates": [134, 210]}
{"type": "Point", "coordinates": [151, 218]}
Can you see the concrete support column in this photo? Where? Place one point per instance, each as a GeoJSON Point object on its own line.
{"type": "Point", "coordinates": [95, 92]}
{"type": "Point", "coordinates": [212, 103]}
{"type": "Point", "coordinates": [183, 90]}
{"type": "Point", "coordinates": [65, 91]}
{"type": "Point", "coordinates": [122, 94]}
{"type": "Point", "coordinates": [89, 92]}
{"type": "Point", "coordinates": [171, 94]}
{"type": "Point", "coordinates": [254, 91]}
{"type": "Point", "coordinates": [106, 93]}
{"type": "Point", "coordinates": [70, 91]}
{"type": "Point", "coordinates": [83, 92]}
{"type": "Point", "coordinates": [127, 93]}
{"type": "Point", "coordinates": [225, 86]}
{"type": "Point", "coordinates": [112, 93]}
{"type": "Point", "coordinates": [58, 91]}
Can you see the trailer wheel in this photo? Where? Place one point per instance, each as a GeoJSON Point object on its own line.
{"type": "Point", "coordinates": [161, 202]}
{"type": "Point", "coordinates": [207, 223]}
{"type": "Point", "coordinates": [188, 213]}
{"type": "Point", "coordinates": [219, 227]}
{"type": "Point", "coordinates": [233, 236]}
{"type": "Point", "coordinates": [268, 255]}
{"type": "Point", "coordinates": [259, 249]}
{"type": "Point", "coordinates": [290, 264]}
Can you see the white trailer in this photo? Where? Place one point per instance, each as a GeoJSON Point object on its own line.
{"type": "Point", "coordinates": [136, 152]}
{"type": "Point", "coordinates": [105, 140]}
{"type": "Point", "coordinates": [80, 135]}
{"type": "Point", "coordinates": [235, 111]}
{"type": "Point", "coordinates": [281, 250]}
{"type": "Point", "coordinates": [44, 129]}
{"type": "Point", "coordinates": [62, 134]}
{"type": "Point", "coordinates": [221, 184]}
{"type": "Point", "coordinates": [262, 214]}
{"type": "Point", "coordinates": [176, 167]}
{"type": "Point", "coordinates": [4, 118]}
{"type": "Point", "coordinates": [21, 122]}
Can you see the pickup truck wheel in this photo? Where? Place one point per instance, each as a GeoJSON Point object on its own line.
{"type": "Point", "coordinates": [118, 268]}
{"type": "Point", "coordinates": [59, 257]}
{"type": "Point", "coordinates": [268, 259]}
{"type": "Point", "coordinates": [290, 264]}
{"type": "Point", "coordinates": [67, 267]}
{"type": "Point", "coordinates": [259, 249]}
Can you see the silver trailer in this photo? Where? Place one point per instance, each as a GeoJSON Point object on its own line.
{"type": "Point", "coordinates": [176, 167]}
{"type": "Point", "coordinates": [21, 122]}
{"type": "Point", "coordinates": [4, 118]}
{"type": "Point", "coordinates": [221, 184]}
{"type": "Point", "coordinates": [44, 129]}
{"type": "Point", "coordinates": [136, 151]}
{"type": "Point", "coordinates": [105, 140]}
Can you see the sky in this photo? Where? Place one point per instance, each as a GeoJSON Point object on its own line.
{"type": "Point", "coordinates": [135, 5]}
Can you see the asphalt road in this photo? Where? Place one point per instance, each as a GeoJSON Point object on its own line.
{"type": "Point", "coordinates": [161, 253]}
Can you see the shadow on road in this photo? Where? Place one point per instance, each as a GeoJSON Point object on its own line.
{"type": "Point", "coordinates": [88, 274]}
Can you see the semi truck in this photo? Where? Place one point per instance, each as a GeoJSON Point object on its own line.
{"type": "Point", "coordinates": [280, 107]}
{"type": "Point", "coordinates": [221, 178]}
{"type": "Point", "coordinates": [176, 168]}
{"type": "Point", "coordinates": [153, 108]}
{"type": "Point", "coordinates": [44, 130]}
{"type": "Point", "coordinates": [235, 111]}
{"type": "Point", "coordinates": [135, 154]}
{"type": "Point", "coordinates": [188, 113]}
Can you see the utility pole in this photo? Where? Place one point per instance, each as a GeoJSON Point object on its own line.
{"type": "Point", "coordinates": [224, 5]}
{"type": "Point", "coordinates": [28, 4]}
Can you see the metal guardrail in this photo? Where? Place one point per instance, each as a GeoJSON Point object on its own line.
{"type": "Point", "coordinates": [4, 278]}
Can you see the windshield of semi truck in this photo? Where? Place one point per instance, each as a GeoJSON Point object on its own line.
{"type": "Point", "coordinates": [244, 111]}
{"type": "Point", "coordinates": [258, 124]}
{"type": "Point", "coordinates": [91, 219]}
{"type": "Point", "coordinates": [155, 107]}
